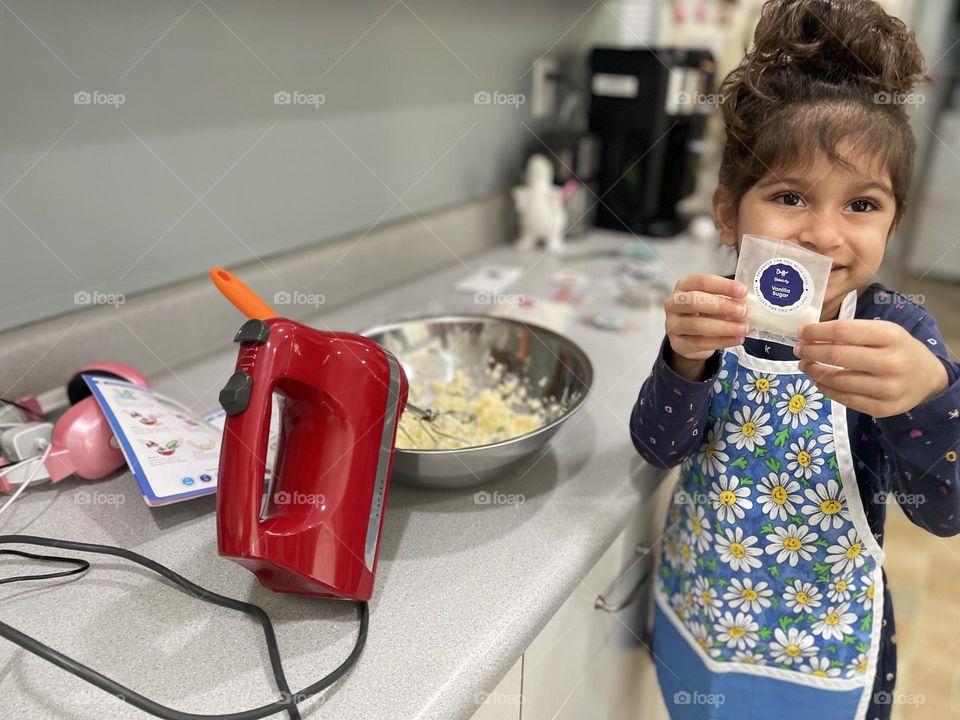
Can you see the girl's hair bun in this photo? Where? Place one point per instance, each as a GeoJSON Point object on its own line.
{"type": "Point", "coordinates": [851, 42]}
{"type": "Point", "coordinates": [828, 76]}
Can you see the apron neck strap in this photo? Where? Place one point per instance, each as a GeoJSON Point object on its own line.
{"type": "Point", "coordinates": [848, 307]}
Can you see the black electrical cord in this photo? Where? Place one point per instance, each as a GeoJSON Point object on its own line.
{"type": "Point", "coordinates": [81, 566]}
{"type": "Point", "coordinates": [288, 701]}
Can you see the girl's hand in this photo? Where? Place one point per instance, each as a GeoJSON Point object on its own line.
{"type": "Point", "coordinates": [882, 369]}
{"type": "Point", "coordinates": [704, 313]}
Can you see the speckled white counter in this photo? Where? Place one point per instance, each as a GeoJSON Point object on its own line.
{"type": "Point", "coordinates": [462, 587]}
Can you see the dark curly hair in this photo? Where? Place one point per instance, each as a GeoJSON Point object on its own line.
{"type": "Point", "coordinates": [821, 72]}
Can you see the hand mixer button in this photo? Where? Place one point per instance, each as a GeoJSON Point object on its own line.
{"type": "Point", "coordinates": [236, 393]}
{"type": "Point", "coordinates": [257, 331]}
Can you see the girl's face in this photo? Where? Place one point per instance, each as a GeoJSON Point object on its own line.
{"type": "Point", "coordinates": [845, 215]}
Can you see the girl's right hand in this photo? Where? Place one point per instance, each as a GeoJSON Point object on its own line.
{"type": "Point", "coordinates": [704, 313]}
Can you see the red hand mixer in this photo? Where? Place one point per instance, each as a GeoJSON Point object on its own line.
{"type": "Point", "coordinates": [314, 528]}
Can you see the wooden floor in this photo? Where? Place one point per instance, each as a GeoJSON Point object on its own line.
{"type": "Point", "coordinates": [923, 572]}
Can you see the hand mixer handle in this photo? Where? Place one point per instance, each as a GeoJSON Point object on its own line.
{"type": "Point", "coordinates": [247, 399]}
{"type": "Point", "coordinates": [245, 299]}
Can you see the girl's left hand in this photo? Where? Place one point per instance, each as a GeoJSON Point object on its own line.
{"type": "Point", "coordinates": [882, 369]}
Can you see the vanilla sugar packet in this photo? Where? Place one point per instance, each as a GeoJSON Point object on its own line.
{"type": "Point", "coordinates": [786, 285]}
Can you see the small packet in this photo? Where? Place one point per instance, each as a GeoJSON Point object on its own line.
{"type": "Point", "coordinates": [785, 287]}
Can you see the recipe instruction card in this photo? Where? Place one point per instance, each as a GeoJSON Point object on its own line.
{"type": "Point", "coordinates": [173, 452]}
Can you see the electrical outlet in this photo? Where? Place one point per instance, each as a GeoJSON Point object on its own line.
{"type": "Point", "coordinates": [543, 91]}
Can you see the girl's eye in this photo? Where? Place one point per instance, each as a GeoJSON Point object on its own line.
{"type": "Point", "coordinates": [788, 198]}
{"type": "Point", "coordinates": [863, 205]}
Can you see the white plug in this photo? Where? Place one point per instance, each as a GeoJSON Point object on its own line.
{"type": "Point", "coordinates": [11, 415]}
{"type": "Point", "coordinates": [543, 87]}
{"type": "Point", "coordinates": [25, 441]}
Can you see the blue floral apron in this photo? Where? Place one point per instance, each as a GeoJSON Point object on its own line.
{"type": "Point", "coordinates": [769, 592]}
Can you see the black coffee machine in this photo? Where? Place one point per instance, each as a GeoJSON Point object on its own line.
{"type": "Point", "coordinates": [649, 109]}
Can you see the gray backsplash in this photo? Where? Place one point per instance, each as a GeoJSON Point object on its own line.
{"type": "Point", "coordinates": [200, 165]}
{"type": "Point", "coordinates": [179, 323]}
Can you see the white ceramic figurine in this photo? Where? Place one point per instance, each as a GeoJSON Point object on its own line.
{"type": "Point", "coordinates": [540, 208]}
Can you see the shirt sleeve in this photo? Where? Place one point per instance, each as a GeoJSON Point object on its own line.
{"type": "Point", "coordinates": [668, 419]}
{"type": "Point", "coordinates": [921, 447]}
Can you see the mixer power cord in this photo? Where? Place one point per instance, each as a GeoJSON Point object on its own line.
{"type": "Point", "coordinates": [288, 701]}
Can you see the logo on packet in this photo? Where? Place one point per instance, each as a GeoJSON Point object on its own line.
{"type": "Point", "coordinates": [783, 285]}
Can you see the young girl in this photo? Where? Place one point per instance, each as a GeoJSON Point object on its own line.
{"type": "Point", "coordinates": [771, 601]}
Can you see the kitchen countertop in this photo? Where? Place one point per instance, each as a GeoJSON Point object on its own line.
{"type": "Point", "coordinates": [462, 587]}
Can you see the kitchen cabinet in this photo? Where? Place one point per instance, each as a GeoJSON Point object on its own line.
{"type": "Point", "coordinates": [503, 702]}
{"type": "Point", "coordinates": [592, 658]}
{"type": "Point", "coordinates": [619, 684]}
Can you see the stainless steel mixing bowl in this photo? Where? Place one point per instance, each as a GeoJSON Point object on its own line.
{"type": "Point", "coordinates": [433, 348]}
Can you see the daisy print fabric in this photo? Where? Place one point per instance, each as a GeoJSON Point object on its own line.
{"type": "Point", "coordinates": [761, 560]}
